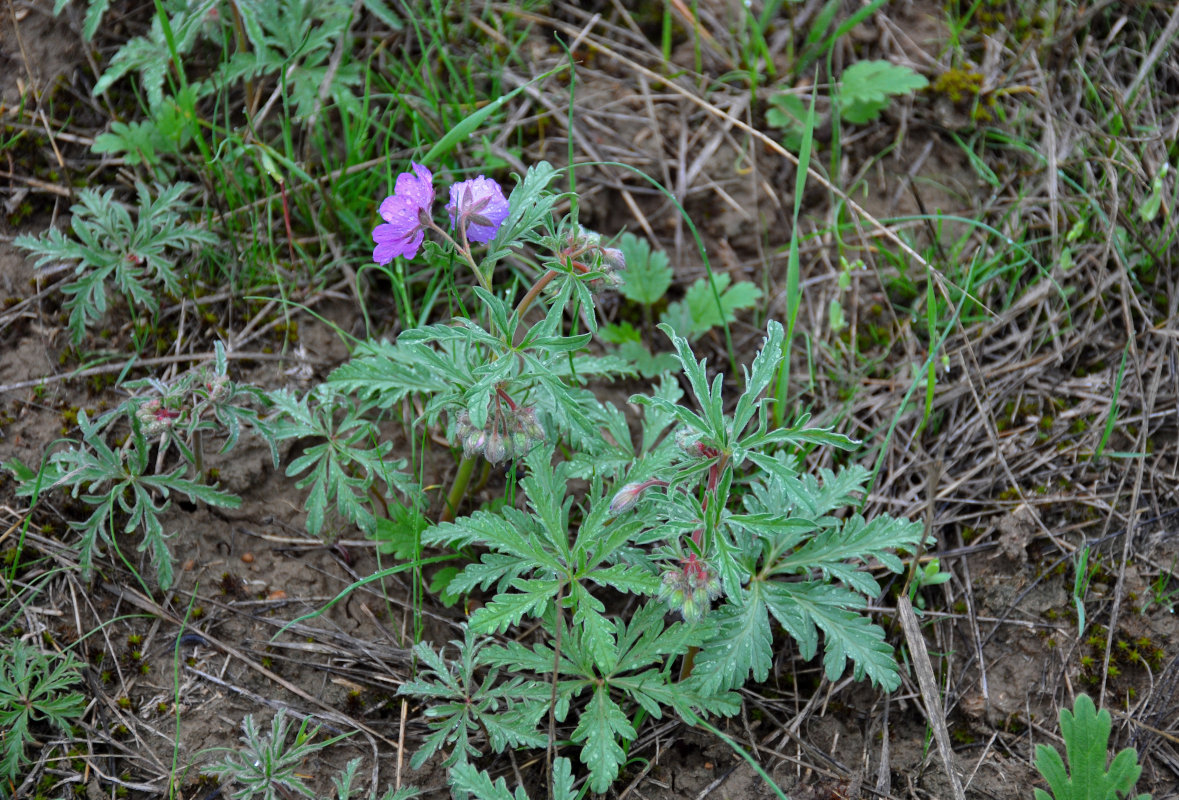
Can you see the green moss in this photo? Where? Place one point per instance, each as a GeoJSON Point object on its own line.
{"type": "Point", "coordinates": [958, 84]}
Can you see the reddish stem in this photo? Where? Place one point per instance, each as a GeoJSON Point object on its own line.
{"type": "Point", "coordinates": [499, 391]}
{"type": "Point", "coordinates": [534, 292]}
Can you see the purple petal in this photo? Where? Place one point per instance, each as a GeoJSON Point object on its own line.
{"type": "Point", "coordinates": [393, 241]}
{"type": "Point", "coordinates": [481, 196]}
{"type": "Point", "coordinates": [387, 205]}
{"type": "Point", "coordinates": [417, 186]}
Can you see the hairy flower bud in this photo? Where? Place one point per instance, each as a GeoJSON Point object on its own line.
{"type": "Point", "coordinates": [690, 589]}
{"type": "Point", "coordinates": [587, 254]}
{"type": "Point", "coordinates": [155, 417]}
{"type": "Point", "coordinates": [495, 450]}
{"type": "Point", "coordinates": [508, 433]}
{"type": "Point", "coordinates": [473, 442]}
{"type": "Point", "coordinates": [529, 424]}
{"type": "Point", "coordinates": [218, 388]}
{"type": "Point", "coordinates": [626, 498]}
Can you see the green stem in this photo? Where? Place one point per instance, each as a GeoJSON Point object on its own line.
{"type": "Point", "coordinates": [458, 489]}
{"type": "Point", "coordinates": [688, 663]}
{"type": "Point", "coordinates": [466, 252]}
{"type": "Point", "coordinates": [198, 456]}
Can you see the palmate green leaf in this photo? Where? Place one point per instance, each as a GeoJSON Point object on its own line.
{"type": "Point", "coordinates": [109, 248]}
{"type": "Point", "coordinates": [697, 313]}
{"type": "Point", "coordinates": [563, 780]}
{"type": "Point", "coordinates": [387, 373]}
{"type": "Point", "coordinates": [651, 690]}
{"type": "Point", "coordinates": [400, 534]}
{"type": "Point", "coordinates": [465, 778]}
{"type": "Point", "coordinates": [625, 578]}
{"type": "Point", "coordinates": [805, 494]}
{"type": "Point", "coordinates": [530, 205]}
{"type": "Point", "coordinates": [122, 481]}
{"type": "Point", "coordinates": [341, 468]}
{"type": "Point", "coordinates": [644, 640]}
{"type": "Point", "coordinates": [151, 54]}
{"type": "Point", "coordinates": [602, 725]}
{"type": "Point", "coordinates": [741, 646]}
{"type": "Point", "coordinates": [491, 568]}
{"type": "Point", "coordinates": [759, 377]}
{"type": "Point", "coordinates": [847, 633]}
{"type": "Point", "coordinates": [855, 539]}
{"type": "Point", "coordinates": [519, 725]}
{"type": "Point", "coordinates": [774, 525]}
{"type": "Point", "coordinates": [707, 397]}
{"type": "Point", "coordinates": [546, 487]}
{"type": "Point", "coordinates": [512, 533]}
{"type": "Point", "coordinates": [574, 410]}
{"type": "Point", "coordinates": [32, 688]}
{"type": "Point", "coordinates": [538, 658]}
{"type": "Point", "coordinates": [656, 419]}
{"type": "Point", "coordinates": [294, 41]}
{"type": "Point", "coordinates": [648, 273]}
{"type": "Point", "coordinates": [138, 141]}
{"type": "Point", "coordinates": [1086, 741]}
{"type": "Point", "coordinates": [14, 745]}
{"type": "Point", "coordinates": [596, 632]}
{"type": "Point", "coordinates": [646, 363]}
{"type": "Point", "coordinates": [799, 434]}
{"type": "Point", "coordinates": [530, 598]}
{"type": "Point", "coordinates": [866, 86]}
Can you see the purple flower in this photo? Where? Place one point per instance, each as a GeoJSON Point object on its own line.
{"type": "Point", "coordinates": [478, 206]}
{"type": "Point", "coordinates": [405, 212]}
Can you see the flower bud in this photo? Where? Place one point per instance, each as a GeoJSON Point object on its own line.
{"type": "Point", "coordinates": [218, 388]}
{"type": "Point", "coordinates": [473, 442]}
{"type": "Point", "coordinates": [690, 589]}
{"type": "Point", "coordinates": [530, 425]}
{"type": "Point", "coordinates": [155, 417]}
{"type": "Point", "coordinates": [613, 260]}
{"type": "Point", "coordinates": [495, 450]}
{"type": "Point", "coordinates": [627, 498]}
{"type": "Point", "coordinates": [519, 445]}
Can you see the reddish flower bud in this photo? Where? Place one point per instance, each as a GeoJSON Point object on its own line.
{"type": "Point", "coordinates": [626, 498]}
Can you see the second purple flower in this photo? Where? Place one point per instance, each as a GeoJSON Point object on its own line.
{"type": "Point", "coordinates": [479, 207]}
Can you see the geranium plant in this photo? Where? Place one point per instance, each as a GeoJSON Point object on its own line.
{"type": "Point", "coordinates": [654, 569]}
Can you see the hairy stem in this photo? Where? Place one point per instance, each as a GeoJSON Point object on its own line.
{"type": "Point", "coordinates": [688, 663]}
{"type": "Point", "coordinates": [552, 749]}
{"type": "Point", "coordinates": [465, 250]}
{"type": "Point", "coordinates": [534, 292]}
{"type": "Point", "coordinates": [457, 489]}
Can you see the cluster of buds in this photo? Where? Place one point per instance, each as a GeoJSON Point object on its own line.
{"type": "Point", "coordinates": [217, 387]}
{"type": "Point", "coordinates": [584, 252]}
{"type": "Point", "coordinates": [690, 445]}
{"type": "Point", "coordinates": [156, 417]}
{"type": "Point", "coordinates": [690, 588]}
{"type": "Point", "coordinates": [508, 433]}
